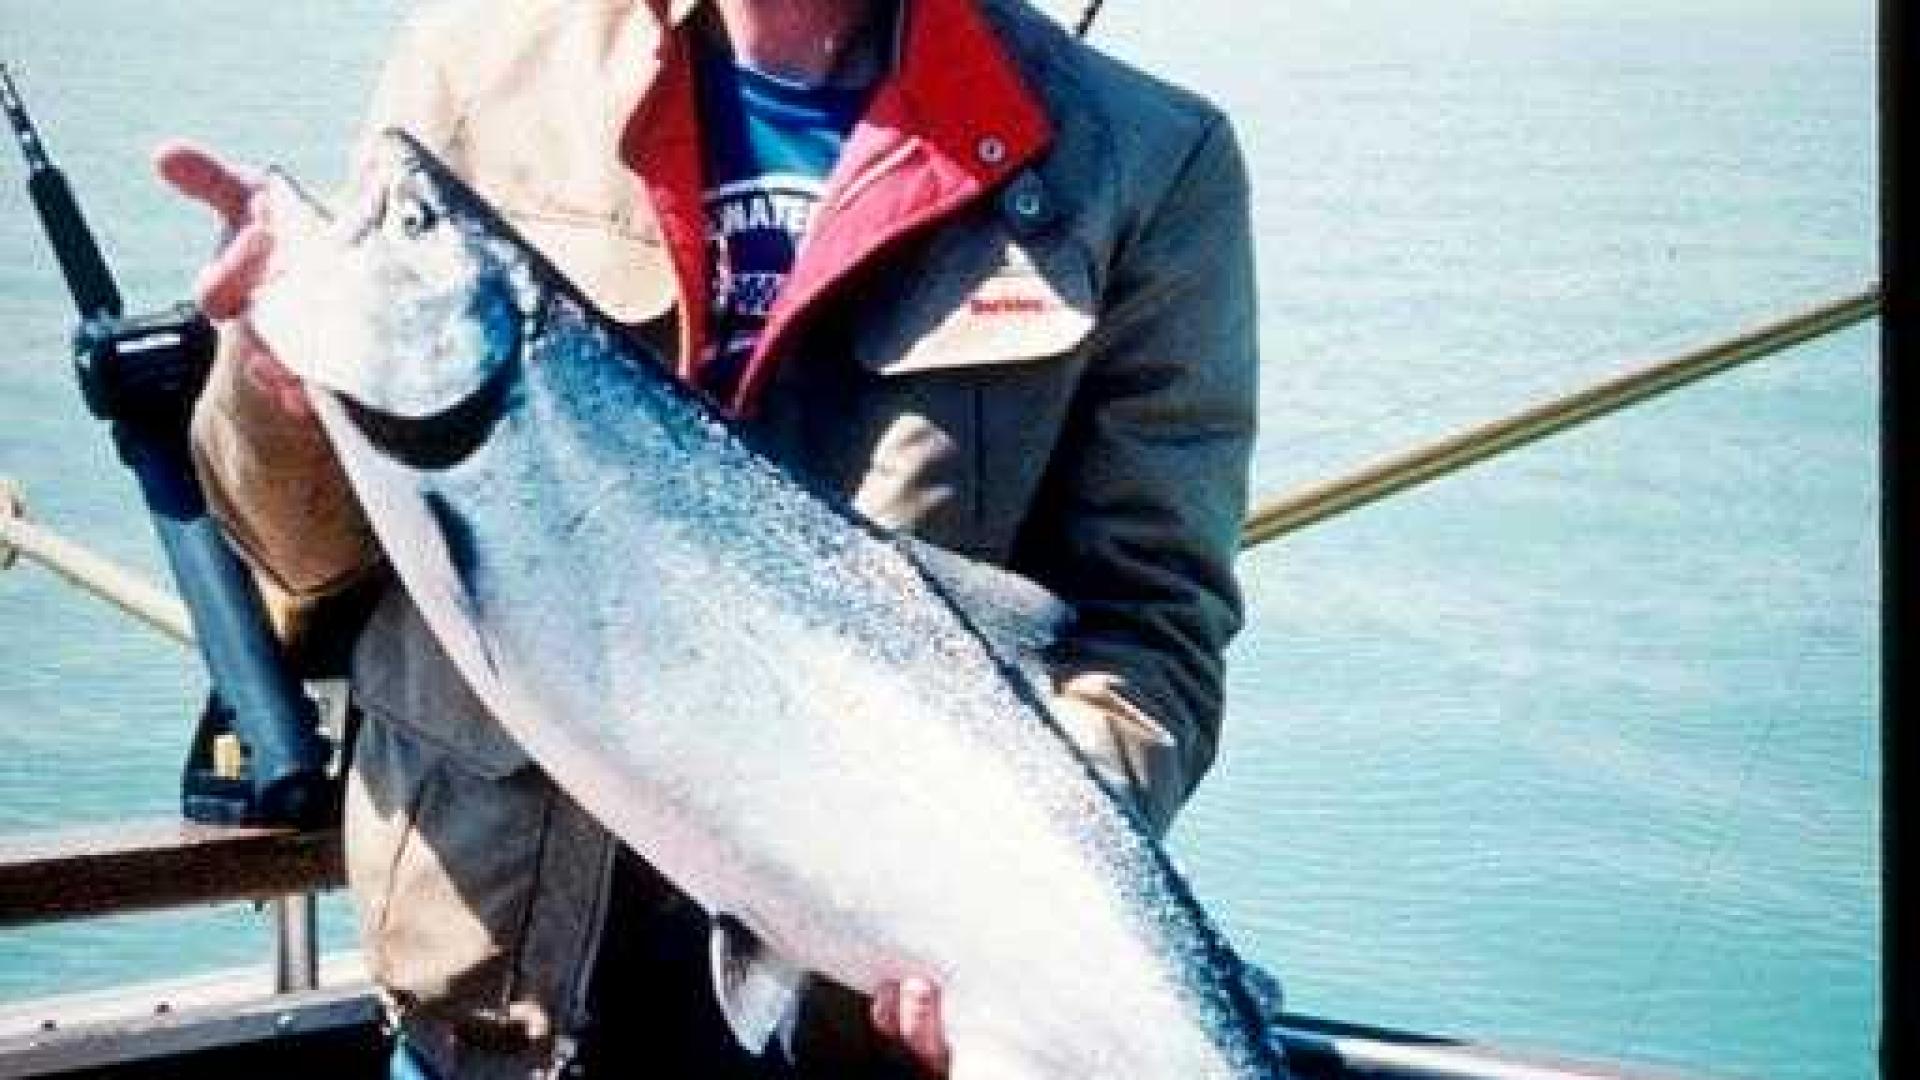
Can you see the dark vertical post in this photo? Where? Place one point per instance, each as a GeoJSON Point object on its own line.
{"type": "Point", "coordinates": [296, 944]}
{"type": "Point", "coordinates": [1900, 1018]}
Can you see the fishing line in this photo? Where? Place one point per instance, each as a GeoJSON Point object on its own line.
{"type": "Point", "coordinates": [1712, 865]}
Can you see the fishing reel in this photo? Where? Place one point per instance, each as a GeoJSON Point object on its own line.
{"type": "Point", "coordinates": [144, 373]}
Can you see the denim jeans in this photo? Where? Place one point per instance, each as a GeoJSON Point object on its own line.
{"type": "Point", "coordinates": [405, 1065]}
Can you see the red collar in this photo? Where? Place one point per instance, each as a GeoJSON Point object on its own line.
{"type": "Point", "coordinates": [954, 119]}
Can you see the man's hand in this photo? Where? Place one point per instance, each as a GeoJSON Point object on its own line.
{"type": "Point", "coordinates": [908, 1013]}
{"type": "Point", "coordinates": [225, 286]}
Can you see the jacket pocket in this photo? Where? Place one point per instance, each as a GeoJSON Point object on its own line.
{"type": "Point", "coordinates": [444, 866]}
{"type": "Point", "coordinates": [958, 422]}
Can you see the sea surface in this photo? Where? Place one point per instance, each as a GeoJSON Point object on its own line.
{"type": "Point", "coordinates": [1574, 752]}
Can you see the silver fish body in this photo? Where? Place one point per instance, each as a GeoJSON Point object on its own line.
{"type": "Point", "coordinates": [832, 736]}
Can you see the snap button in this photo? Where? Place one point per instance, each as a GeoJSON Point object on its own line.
{"type": "Point", "coordinates": [1026, 204]}
{"type": "Point", "coordinates": [991, 150]}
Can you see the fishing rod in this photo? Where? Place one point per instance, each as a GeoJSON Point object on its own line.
{"type": "Point", "coordinates": [257, 756]}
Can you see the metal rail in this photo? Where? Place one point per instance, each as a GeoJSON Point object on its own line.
{"type": "Point", "coordinates": [162, 863]}
{"type": "Point", "coordinates": [296, 943]}
{"type": "Point", "coordinates": [218, 1025]}
{"type": "Point", "coordinates": [126, 590]}
{"type": "Point", "coordinates": [186, 1024]}
{"type": "Point", "coordinates": [1411, 468]}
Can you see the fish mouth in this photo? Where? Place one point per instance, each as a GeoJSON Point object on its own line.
{"type": "Point", "coordinates": [350, 300]}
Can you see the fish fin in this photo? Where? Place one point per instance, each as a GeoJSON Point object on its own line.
{"type": "Point", "coordinates": [1019, 619]}
{"type": "Point", "coordinates": [757, 988]}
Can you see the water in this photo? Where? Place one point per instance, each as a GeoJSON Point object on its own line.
{"type": "Point", "coordinates": [1576, 751]}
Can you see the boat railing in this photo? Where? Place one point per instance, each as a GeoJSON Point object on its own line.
{"type": "Point", "coordinates": [1319, 502]}
{"type": "Point", "coordinates": [162, 864]}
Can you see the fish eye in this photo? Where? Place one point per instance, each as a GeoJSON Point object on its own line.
{"type": "Point", "coordinates": [415, 215]}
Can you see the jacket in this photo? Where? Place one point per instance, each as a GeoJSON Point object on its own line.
{"type": "Point", "coordinates": [1023, 329]}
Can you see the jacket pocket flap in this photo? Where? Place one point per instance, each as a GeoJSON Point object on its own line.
{"type": "Point", "coordinates": [1025, 309]}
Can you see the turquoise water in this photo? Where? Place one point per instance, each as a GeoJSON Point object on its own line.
{"type": "Point", "coordinates": [1576, 751]}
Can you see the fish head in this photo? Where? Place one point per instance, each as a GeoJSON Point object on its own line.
{"type": "Point", "coordinates": [413, 308]}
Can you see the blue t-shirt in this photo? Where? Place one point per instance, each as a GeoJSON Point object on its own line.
{"type": "Point", "coordinates": [769, 147]}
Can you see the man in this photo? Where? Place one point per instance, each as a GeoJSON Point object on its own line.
{"type": "Point", "coordinates": [994, 287]}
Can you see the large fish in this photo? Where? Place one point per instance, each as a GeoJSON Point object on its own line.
{"type": "Point", "coordinates": [832, 737]}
